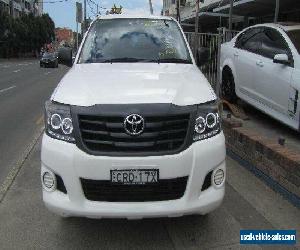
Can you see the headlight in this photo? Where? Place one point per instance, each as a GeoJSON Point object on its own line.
{"type": "Point", "coordinates": [208, 121]}
{"type": "Point", "coordinates": [58, 122]}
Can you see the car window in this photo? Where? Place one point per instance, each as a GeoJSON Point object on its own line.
{"type": "Point", "coordinates": [245, 36]}
{"type": "Point", "coordinates": [251, 41]}
{"type": "Point", "coordinates": [273, 43]}
{"type": "Point", "coordinates": [135, 40]}
{"type": "Point", "coordinates": [48, 55]}
{"type": "Point", "coordinates": [294, 35]}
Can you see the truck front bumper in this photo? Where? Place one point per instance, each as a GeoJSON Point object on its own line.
{"type": "Point", "coordinates": [70, 163]}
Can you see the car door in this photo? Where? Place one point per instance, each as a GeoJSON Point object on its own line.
{"type": "Point", "coordinates": [272, 80]}
{"type": "Point", "coordinates": [245, 58]}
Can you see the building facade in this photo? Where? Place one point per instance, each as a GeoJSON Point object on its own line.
{"type": "Point", "coordinates": [215, 13]}
{"type": "Point", "coordinates": [64, 36]}
{"type": "Point", "coordinates": [169, 8]}
{"type": "Point", "coordinates": [16, 7]}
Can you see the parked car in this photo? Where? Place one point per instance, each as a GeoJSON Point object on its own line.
{"type": "Point", "coordinates": [261, 65]}
{"type": "Point", "coordinates": [49, 60]}
{"type": "Point", "coordinates": [133, 129]}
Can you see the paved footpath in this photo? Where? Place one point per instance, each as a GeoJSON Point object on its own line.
{"type": "Point", "coordinates": [249, 204]}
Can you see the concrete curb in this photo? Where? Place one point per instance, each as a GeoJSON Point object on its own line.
{"type": "Point", "coordinates": [4, 187]}
{"type": "Point", "coordinates": [278, 166]}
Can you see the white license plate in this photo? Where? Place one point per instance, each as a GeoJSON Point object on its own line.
{"type": "Point", "coordinates": [134, 176]}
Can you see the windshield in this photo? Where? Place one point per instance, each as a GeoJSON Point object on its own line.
{"type": "Point", "coordinates": [135, 40]}
{"type": "Point", "coordinates": [295, 38]}
{"type": "Point", "coordinates": [48, 55]}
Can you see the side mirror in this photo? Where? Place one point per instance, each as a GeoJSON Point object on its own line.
{"type": "Point", "coordinates": [65, 56]}
{"type": "Point", "coordinates": [202, 56]}
{"type": "Point", "coordinates": [281, 59]}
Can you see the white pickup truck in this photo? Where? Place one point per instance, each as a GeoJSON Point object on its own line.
{"type": "Point", "coordinates": [261, 65]}
{"type": "Point", "coordinates": [133, 129]}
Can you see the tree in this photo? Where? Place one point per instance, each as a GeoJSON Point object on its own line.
{"type": "Point", "coordinates": [26, 34]}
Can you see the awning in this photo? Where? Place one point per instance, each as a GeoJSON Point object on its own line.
{"type": "Point", "coordinates": [5, 1]}
{"type": "Point", "coordinates": [258, 8]}
{"type": "Point", "coordinates": [209, 17]}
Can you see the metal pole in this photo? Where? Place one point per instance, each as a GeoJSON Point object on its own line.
{"type": "Point", "coordinates": [97, 9]}
{"type": "Point", "coordinates": [197, 17]}
{"type": "Point", "coordinates": [11, 8]}
{"type": "Point", "coordinates": [76, 36]}
{"type": "Point", "coordinates": [218, 84]}
{"type": "Point", "coordinates": [230, 15]}
{"type": "Point", "coordinates": [276, 11]}
{"type": "Point", "coordinates": [84, 9]}
{"type": "Point", "coordinates": [151, 7]}
{"type": "Point", "coordinates": [196, 27]}
{"type": "Point", "coordinates": [178, 5]}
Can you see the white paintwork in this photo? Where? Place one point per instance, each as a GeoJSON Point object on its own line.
{"type": "Point", "coordinates": [121, 83]}
{"type": "Point", "coordinates": [132, 83]}
{"type": "Point", "coordinates": [261, 82]}
{"type": "Point", "coordinates": [71, 163]}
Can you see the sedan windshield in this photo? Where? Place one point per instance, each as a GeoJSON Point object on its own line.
{"type": "Point", "coordinates": [295, 37]}
{"type": "Point", "coordinates": [135, 40]}
{"type": "Point", "coordinates": [48, 56]}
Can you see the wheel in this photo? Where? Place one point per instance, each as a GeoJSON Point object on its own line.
{"type": "Point", "coordinates": [228, 86]}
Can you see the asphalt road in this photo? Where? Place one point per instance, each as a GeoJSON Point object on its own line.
{"type": "Point", "coordinates": [24, 88]}
{"type": "Point", "coordinates": [26, 224]}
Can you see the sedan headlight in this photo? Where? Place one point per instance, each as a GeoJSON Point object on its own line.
{"type": "Point", "coordinates": [208, 121]}
{"type": "Point", "coordinates": [58, 122]}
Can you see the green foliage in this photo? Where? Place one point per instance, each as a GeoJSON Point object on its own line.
{"type": "Point", "coordinates": [26, 34]}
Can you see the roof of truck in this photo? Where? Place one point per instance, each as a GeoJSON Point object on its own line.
{"type": "Point", "coordinates": [135, 16]}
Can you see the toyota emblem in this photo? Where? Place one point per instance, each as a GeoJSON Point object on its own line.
{"type": "Point", "coordinates": [134, 124]}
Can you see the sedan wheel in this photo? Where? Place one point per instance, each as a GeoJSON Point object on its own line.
{"type": "Point", "coordinates": [228, 87]}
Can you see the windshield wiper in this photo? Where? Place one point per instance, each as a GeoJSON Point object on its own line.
{"type": "Point", "coordinates": [174, 60]}
{"type": "Point", "coordinates": [126, 59]}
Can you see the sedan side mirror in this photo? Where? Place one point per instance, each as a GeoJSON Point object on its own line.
{"type": "Point", "coordinates": [202, 56]}
{"type": "Point", "coordinates": [65, 56]}
{"type": "Point", "coordinates": [281, 59]}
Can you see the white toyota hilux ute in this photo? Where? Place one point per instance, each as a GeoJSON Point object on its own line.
{"type": "Point", "coordinates": [133, 129]}
{"type": "Point", "coordinates": [261, 65]}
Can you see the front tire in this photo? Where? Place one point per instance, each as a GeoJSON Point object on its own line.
{"type": "Point", "coordinates": [228, 86]}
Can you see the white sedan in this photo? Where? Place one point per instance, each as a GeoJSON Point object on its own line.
{"type": "Point", "coordinates": [261, 66]}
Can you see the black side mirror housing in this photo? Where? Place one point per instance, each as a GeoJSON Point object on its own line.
{"type": "Point", "coordinates": [65, 56]}
{"type": "Point", "coordinates": [202, 56]}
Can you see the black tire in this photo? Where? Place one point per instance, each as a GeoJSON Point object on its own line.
{"type": "Point", "coordinates": [228, 86]}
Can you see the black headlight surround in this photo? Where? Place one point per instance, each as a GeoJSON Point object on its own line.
{"type": "Point", "coordinates": [207, 122]}
{"type": "Point", "coordinates": [58, 122]}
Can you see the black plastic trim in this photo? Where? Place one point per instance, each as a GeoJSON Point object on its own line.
{"type": "Point", "coordinates": [124, 110]}
{"type": "Point", "coordinates": [60, 184]}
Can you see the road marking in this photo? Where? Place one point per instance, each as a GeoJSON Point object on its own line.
{"type": "Point", "coordinates": [3, 90]}
{"type": "Point", "coordinates": [16, 71]}
{"type": "Point", "coordinates": [40, 120]}
{"type": "Point", "coordinates": [47, 73]}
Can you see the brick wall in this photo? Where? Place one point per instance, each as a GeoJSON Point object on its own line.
{"type": "Point", "coordinates": [274, 160]}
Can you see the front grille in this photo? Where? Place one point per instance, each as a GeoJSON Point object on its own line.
{"type": "Point", "coordinates": [164, 190]}
{"type": "Point", "coordinates": [106, 134]}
